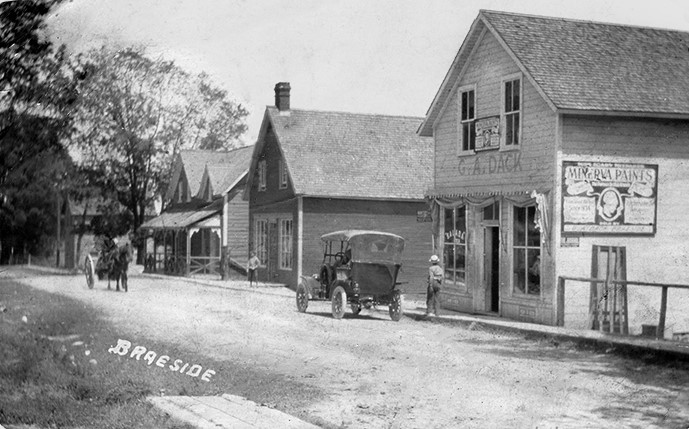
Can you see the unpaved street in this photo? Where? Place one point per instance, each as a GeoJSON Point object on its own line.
{"type": "Point", "coordinates": [380, 374]}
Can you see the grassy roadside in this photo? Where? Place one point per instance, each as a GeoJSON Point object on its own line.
{"type": "Point", "coordinates": [56, 370]}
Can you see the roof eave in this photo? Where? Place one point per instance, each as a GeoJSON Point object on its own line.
{"type": "Point", "coordinates": [622, 113]}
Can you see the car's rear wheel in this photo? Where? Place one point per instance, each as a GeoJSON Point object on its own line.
{"type": "Point", "coordinates": [395, 307]}
{"type": "Point", "coordinates": [339, 300]}
{"type": "Point", "coordinates": [302, 298]}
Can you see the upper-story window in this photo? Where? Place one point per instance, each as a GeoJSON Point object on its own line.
{"type": "Point", "coordinates": [180, 191]}
{"type": "Point", "coordinates": [262, 175]}
{"type": "Point", "coordinates": [467, 119]}
{"type": "Point", "coordinates": [511, 114]}
{"type": "Point", "coordinates": [283, 175]}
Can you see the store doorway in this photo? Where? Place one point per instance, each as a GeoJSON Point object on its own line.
{"type": "Point", "coordinates": [491, 267]}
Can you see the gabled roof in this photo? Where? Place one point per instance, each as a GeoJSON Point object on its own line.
{"type": "Point", "coordinates": [224, 169]}
{"type": "Point", "coordinates": [586, 66]}
{"type": "Point", "coordinates": [349, 155]}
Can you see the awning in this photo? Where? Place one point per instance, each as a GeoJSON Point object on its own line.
{"type": "Point", "coordinates": [183, 218]}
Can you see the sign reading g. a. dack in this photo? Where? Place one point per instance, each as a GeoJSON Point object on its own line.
{"type": "Point", "coordinates": [609, 198]}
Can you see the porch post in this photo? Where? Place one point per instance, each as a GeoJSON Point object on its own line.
{"type": "Point", "coordinates": [186, 269]}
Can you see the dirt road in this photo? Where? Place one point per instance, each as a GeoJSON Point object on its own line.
{"type": "Point", "coordinates": [382, 374]}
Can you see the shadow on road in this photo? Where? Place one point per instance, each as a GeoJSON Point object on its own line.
{"type": "Point", "coordinates": [648, 390]}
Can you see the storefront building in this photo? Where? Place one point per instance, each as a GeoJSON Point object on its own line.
{"type": "Point", "coordinates": [315, 172]}
{"type": "Point", "coordinates": [561, 150]}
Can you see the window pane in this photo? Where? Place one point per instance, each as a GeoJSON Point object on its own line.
{"type": "Point", "coordinates": [470, 110]}
{"type": "Point", "coordinates": [449, 224]}
{"type": "Point", "coordinates": [519, 270]}
{"type": "Point", "coordinates": [449, 260]}
{"type": "Point", "coordinates": [464, 106]}
{"type": "Point", "coordinates": [534, 272]}
{"type": "Point", "coordinates": [466, 143]}
{"type": "Point", "coordinates": [472, 136]}
{"type": "Point", "coordinates": [519, 226]}
{"type": "Point", "coordinates": [533, 234]}
{"type": "Point", "coordinates": [508, 96]}
{"type": "Point", "coordinates": [515, 95]}
{"type": "Point", "coordinates": [515, 129]}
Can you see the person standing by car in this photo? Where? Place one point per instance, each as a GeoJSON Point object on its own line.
{"type": "Point", "coordinates": [435, 278]}
{"type": "Point", "coordinates": [253, 264]}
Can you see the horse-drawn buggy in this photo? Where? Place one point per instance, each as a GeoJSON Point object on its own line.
{"type": "Point", "coordinates": [112, 261]}
{"type": "Point", "coordinates": [359, 269]}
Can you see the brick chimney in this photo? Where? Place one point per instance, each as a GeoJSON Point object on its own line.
{"type": "Point", "coordinates": [282, 96]}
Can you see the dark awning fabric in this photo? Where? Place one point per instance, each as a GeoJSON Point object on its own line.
{"type": "Point", "coordinates": [181, 218]}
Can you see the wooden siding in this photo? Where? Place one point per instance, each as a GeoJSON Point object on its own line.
{"type": "Point", "coordinates": [322, 216]}
{"type": "Point", "coordinates": [238, 227]}
{"type": "Point", "coordinates": [663, 257]}
{"type": "Point", "coordinates": [273, 213]}
{"type": "Point", "coordinates": [272, 155]}
{"type": "Point", "coordinates": [530, 166]}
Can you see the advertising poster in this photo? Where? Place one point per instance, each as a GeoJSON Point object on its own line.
{"type": "Point", "coordinates": [609, 198]}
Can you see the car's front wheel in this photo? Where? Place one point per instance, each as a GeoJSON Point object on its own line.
{"type": "Point", "coordinates": [339, 301]}
{"type": "Point", "coordinates": [395, 307]}
{"type": "Point", "coordinates": [302, 298]}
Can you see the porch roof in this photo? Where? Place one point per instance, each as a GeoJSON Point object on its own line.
{"type": "Point", "coordinates": [184, 216]}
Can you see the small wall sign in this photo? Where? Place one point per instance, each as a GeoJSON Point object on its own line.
{"type": "Point", "coordinates": [488, 133]}
{"type": "Point", "coordinates": [572, 241]}
{"type": "Point", "coordinates": [423, 216]}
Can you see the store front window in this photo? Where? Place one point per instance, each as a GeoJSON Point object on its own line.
{"type": "Point", "coordinates": [527, 252]}
{"type": "Point", "coordinates": [454, 245]}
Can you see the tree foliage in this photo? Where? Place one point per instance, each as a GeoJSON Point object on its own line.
{"type": "Point", "coordinates": [134, 113]}
{"type": "Point", "coordinates": [36, 90]}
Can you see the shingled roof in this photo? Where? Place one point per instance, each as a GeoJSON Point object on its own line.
{"type": "Point", "coordinates": [349, 155]}
{"type": "Point", "coordinates": [224, 167]}
{"type": "Point", "coordinates": [586, 66]}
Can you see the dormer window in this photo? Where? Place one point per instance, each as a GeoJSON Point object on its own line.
{"type": "Point", "coordinates": [512, 107]}
{"type": "Point", "coordinates": [283, 175]}
{"type": "Point", "coordinates": [262, 175]}
{"type": "Point", "coordinates": [180, 191]}
{"type": "Point", "coordinates": [467, 119]}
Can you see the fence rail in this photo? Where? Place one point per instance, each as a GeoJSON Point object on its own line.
{"type": "Point", "coordinates": [663, 297]}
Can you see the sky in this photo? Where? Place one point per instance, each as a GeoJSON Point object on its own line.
{"type": "Point", "coordinates": [364, 56]}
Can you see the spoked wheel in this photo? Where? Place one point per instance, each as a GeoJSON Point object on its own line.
{"type": "Point", "coordinates": [356, 309]}
{"type": "Point", "coordinates": [339, 302]}
{"type": "Point", "coordinates": [396, 306]}
{"type": "Point", "coordinates": [302, 298]}
{"type": "Point", "coordinates": [89, 271]}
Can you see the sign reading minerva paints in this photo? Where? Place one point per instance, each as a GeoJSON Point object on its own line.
{"type": "Point", "coordinates": [609, 198]}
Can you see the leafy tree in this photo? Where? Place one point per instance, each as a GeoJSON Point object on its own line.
{"type": "Point", "coordinates": [36, 90]}
{"type": "Point", "coordinates": [134, 113]}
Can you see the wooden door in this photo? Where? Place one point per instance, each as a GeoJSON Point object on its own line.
{"type": "Point", "coordinates": [608, 304]}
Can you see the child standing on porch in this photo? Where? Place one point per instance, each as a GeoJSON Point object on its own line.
{"type": "Point", "coordinates": [253, 264]}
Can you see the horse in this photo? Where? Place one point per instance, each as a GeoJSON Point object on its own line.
{"type": "Point", "coordinates": [115, 265]}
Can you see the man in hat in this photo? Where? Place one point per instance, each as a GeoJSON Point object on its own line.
{"type": "Point", "coordinates": [435, 278]}
{"type": "Point", "coordinates": [252, 266]}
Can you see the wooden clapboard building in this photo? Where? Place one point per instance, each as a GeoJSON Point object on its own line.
{"type": "Point", "coordinates": [562, 150]}
{"type": "Point", "coordinates": [315, 172]}
{"type": "Point", "coordinates": [206, 213]}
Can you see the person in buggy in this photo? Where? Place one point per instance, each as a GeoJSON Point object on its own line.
{"type": "Point", "coordinates": [108, 251]}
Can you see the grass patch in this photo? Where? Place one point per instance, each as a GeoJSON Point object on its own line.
{"type": "Point", "coordinates": [56, 371]}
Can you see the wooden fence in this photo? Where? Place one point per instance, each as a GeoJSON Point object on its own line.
{"type": "Point", "coordinates": [561, 284]}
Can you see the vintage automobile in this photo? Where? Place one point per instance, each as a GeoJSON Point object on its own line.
{"type": "Point", "coordinates": [359, 269]}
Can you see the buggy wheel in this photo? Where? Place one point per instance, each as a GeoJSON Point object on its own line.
{"type": "Point", "coordinates": [395, 307]}
{"type": "Point", "coordinates": [356, 309]}
{"type": "Point", "coordinates": [89, 271]}
{"type": "Point", "coordinates": [339, 302]}
{"type": "Point", "coordinates": [302, 298]}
